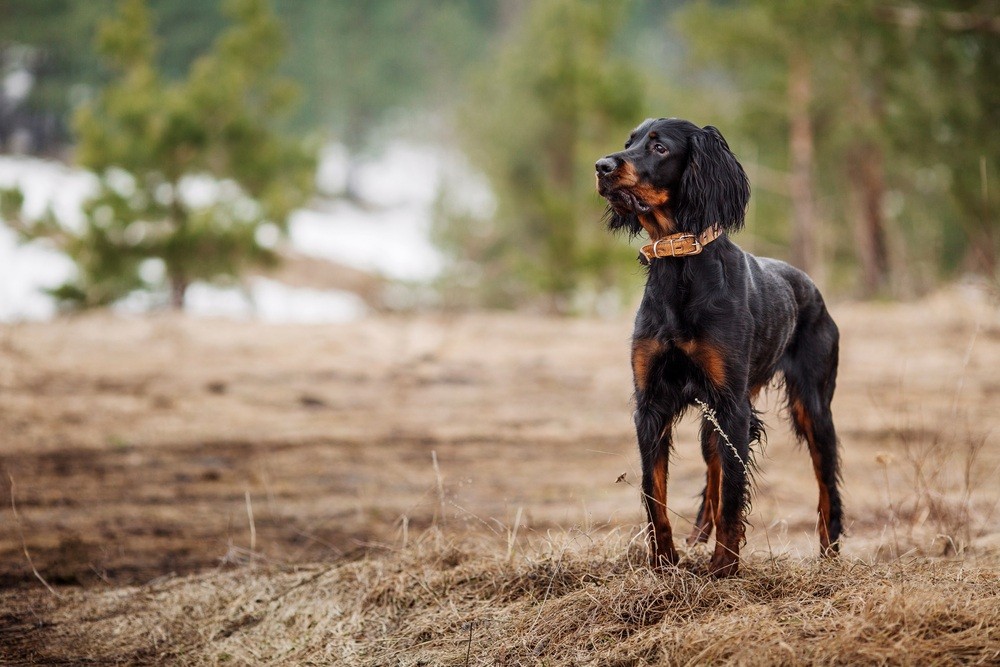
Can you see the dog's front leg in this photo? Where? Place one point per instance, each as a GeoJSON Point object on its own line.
{"type": "Point", "coordinates": [657, 405]}
{"type": "Point", "coordinates": [711, 496]}
{"type": "Point", "coordinates": [654, 417]}
{"type": "Point", "coordinates": [654, 428]}
{"type": "Point", "coordinates": [733, 444]}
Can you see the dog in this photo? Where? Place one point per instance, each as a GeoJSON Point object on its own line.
{"type": "Point", "coordinates": [716, 325]}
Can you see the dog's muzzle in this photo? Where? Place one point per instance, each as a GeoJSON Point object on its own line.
{"type": "Point", "coordinates": [606, 166]}
{"type": "Point", "coordinates": [620, 198]}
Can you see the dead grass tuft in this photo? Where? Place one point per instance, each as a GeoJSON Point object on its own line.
{"type": "Point", "coordinates": [559, 601]}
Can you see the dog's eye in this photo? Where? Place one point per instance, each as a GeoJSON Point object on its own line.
{"type": "Point", "coordinates": [660, 148]}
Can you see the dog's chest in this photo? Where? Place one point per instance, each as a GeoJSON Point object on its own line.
{"type": "Point", "coordinates": [673, 318]}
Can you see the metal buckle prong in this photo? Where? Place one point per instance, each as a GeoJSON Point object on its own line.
{"type": "Point", "coordinates": [655, 244]}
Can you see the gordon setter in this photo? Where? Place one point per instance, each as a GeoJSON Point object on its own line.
{"type": "Point", "coordinates": [715, 325]}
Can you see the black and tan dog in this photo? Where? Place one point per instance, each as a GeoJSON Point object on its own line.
{"type": "Point", "coordinates": [716, 324]}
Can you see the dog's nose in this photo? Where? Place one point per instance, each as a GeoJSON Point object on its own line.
{"type": "Point", "coordinates": [606, 165]}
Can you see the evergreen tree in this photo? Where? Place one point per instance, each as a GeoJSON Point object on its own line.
{"type": "Point", "coordinates": [51, 40]}
{"type": "Point", "coordinates": [874, 123]}
{"type": "Point", "coordinates": [47, 40]}
{"type": "Point", "coordinates": [556, 98]}
{"type": "Point", "coordinates": [194, 181]}
{"type": "Point", "coordinates": [388, 56]}
{"type": "Point", "coordinates": [945, 111]}
{"type": "Point", "coordinates": [773, 51]}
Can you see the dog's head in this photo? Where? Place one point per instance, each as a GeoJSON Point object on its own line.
{"type": "Point", "coordinates": [673, 176]}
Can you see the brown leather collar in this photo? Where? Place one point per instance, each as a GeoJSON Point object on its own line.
{"type": "Point", "coordinates": [681, 244]}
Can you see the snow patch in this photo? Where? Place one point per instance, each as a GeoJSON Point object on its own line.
{"type": "Point", "coordinates": [391, 237]}
{"type": "Point", "coordinates": [272, 301]}
{"type": "Point", "coordinates": [25, 271]}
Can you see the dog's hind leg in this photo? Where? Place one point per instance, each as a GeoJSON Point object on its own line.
{"type": "Point", "coordinates": [810, 368]}
{"type": "Point", "coordinates": [708, 511]}
{"type": "Point", "coordinates": [710, 496]}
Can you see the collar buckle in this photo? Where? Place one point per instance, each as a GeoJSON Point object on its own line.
{"type": "Point", "coordinates": [696, 247]}
{"type": "Point", "coordinates": [696, 244]}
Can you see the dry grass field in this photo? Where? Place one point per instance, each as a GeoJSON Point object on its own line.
{"type": "Point", "coordinates": [448, 490]}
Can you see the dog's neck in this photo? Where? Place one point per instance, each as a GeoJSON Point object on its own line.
{"type": "Point", "coordinates": [679, 244]}
{"type": "Point", "coordinates": [658, 223]}
{"type": "Point", "coordinates": [666, 239]}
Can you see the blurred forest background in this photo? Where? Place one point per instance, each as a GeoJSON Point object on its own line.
{"type": "Point", "coordinates": [869, 131]}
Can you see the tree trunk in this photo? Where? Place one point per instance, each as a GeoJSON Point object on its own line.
{"type": "Point", "coordinates": [865, 162]}
{"type": "Point", "coordinates": [178, 286]}
{"type": "Point", "coordinates": [558, 201]}
{"type": "Point", "coordinates": [804, 241]}
{"type": "Point", "coordinates": [981, 254]}
{"type": "Point", "coordinates": [178, 281]}
{"type": "Point", "coordinates": [866, 167]}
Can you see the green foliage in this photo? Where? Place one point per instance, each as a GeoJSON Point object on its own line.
{"type": "Point", "coordinates": [151, 142]}
{"type": "Point", "coordinates": [11, 203]}
{"type": "Point", "coordinates": [910, 94]}
{"type": "Point", "coordinates": [364, 64]}
{"type": "Point", "coordinates": [56, 35]}
{"type": "Point", "coordinates": [910, 91]}
{"type": "Point", "coordinates": [55, 39]}
{"type": "Point", "coordinates": [946, 112]}
{"type": "Point", "coordinates": [361, 65]}
{"type": "Point", "coordinates": [556, 98]}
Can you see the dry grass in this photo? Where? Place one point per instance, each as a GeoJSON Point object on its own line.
{"type": "Point", "coordinates": [386, 493]}
{"type": "Point", "coordinates": [558, 601]}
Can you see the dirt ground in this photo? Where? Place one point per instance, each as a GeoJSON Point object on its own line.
{"type": "Point", "coordinates": [133, 450]}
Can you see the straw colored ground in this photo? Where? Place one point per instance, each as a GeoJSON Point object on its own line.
{"type": "Point", "coordinates": [443, 490]}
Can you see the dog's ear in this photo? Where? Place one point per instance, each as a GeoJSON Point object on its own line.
{"type": "Point", "coordinates": [618, 222]}
{"type": "Point", "coordinates": [714, 188]}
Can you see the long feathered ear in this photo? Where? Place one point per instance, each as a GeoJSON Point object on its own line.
{"type": "Point", "coordinates": [617, 222]}
{"type": "Point", "coordinates": [714, 188]}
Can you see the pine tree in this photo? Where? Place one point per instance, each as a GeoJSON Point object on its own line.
{"type": "Point", "coordinates": [555, 100]}
{"type": "Point", "coordinates": [886, 114]}
{"type": "Point", "coordinates": [770, 49]}
{"type": "Point", "coordinates": [194, 180]}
